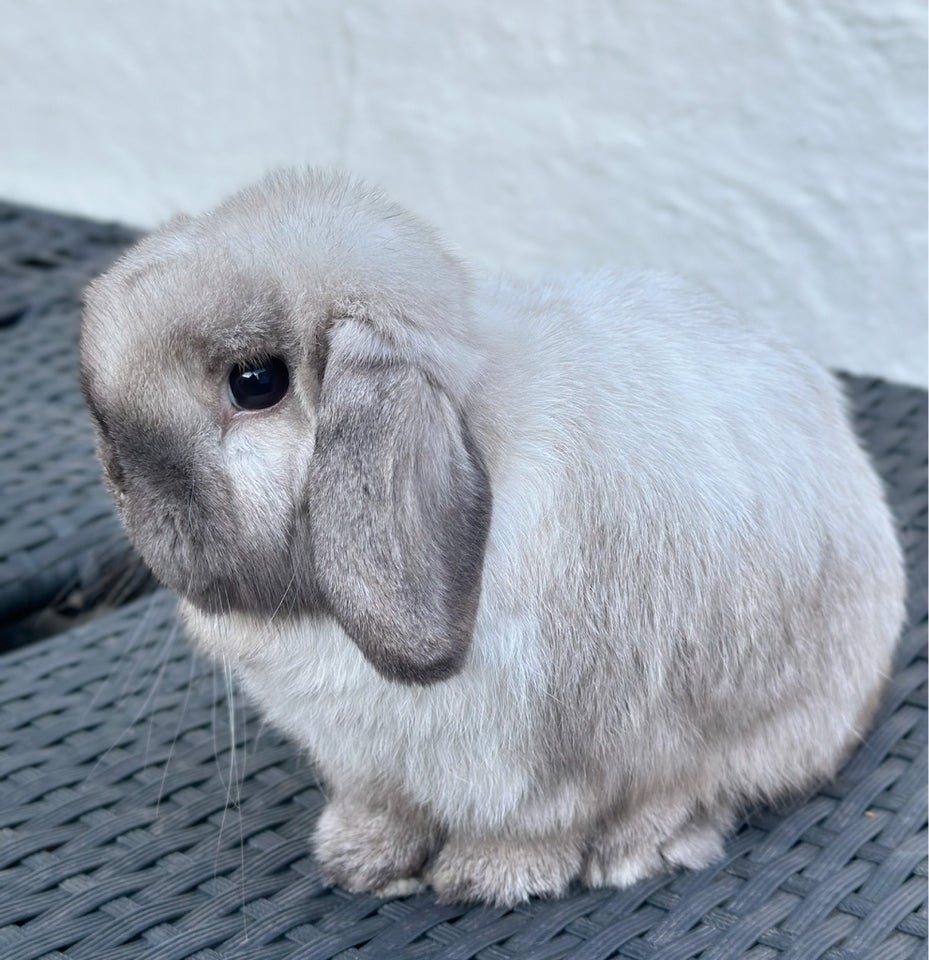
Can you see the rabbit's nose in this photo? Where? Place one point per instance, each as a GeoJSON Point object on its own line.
{"type": "Point", "coordinates": [114, 474]}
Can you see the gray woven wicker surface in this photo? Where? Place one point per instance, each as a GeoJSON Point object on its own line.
{"type": "Point", "coordinates": [130, 826]}
{"type": "Point", "coordinates": [59, 537]}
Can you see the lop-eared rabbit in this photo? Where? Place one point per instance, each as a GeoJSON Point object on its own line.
{"type": "Point", "coordinates": [549, 579]}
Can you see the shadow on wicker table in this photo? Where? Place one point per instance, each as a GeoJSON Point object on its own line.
{"type": "Point", "coordinates": [63, 556]}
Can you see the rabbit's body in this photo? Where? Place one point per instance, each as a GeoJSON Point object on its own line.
{"type": "Point", "coordinates": [689, 596]}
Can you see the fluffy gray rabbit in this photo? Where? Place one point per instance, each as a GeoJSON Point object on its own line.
{"type": "Point", "coordinates": [548, 579]}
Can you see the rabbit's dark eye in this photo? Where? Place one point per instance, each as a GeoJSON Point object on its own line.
{"type": "Point", "coordinates": [257, 386]}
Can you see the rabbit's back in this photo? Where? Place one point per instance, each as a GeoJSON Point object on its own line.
{"type": "Point", "coordinates": [718, 578]}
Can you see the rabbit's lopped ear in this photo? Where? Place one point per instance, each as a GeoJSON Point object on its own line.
{"type": "Point", "coordinates": [399, 510]}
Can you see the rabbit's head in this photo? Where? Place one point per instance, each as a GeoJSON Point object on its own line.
{"type": "Point", "coordinates": [280, 393]}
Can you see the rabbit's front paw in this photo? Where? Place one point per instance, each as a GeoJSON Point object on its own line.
{"type": "Point", "coordinates": [655, 840]}
{"type": "Point", "coordinates": [376, 850]}
{"type": "Point", "coordinates": [504, 871]}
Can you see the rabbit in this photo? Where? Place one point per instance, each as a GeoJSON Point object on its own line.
{"type": "Point", "coordinates": [551, 579]}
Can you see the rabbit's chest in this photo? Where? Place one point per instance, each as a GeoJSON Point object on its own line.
{"type": "Point", "coordinates": [456, 746]}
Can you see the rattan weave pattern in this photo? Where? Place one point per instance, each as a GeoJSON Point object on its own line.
{"type": "Point", "coordinates": [58, 531]}
{"type": "Point", "coordinates": [130, 827]}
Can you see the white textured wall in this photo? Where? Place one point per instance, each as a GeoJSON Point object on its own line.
{"type": "Point", "coordinates": [775, 149]}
